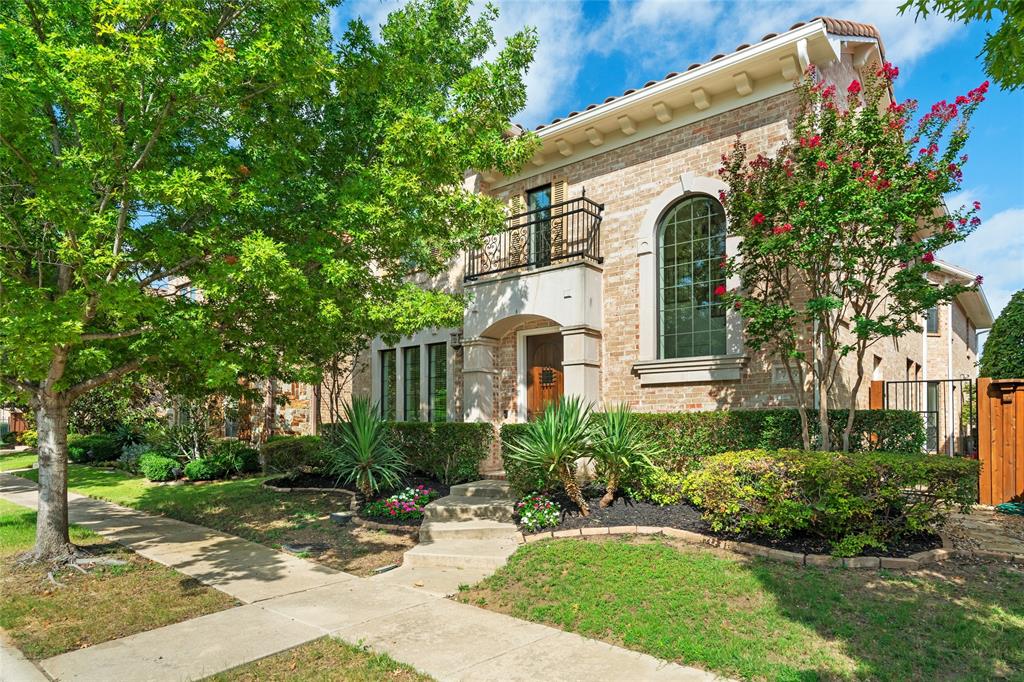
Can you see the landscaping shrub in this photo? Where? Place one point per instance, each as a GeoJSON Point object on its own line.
{"type": "Point", "coordinates": [852, 500]}
{"type": "Point", "coordinates": [406, 505]}
{"type": "Point", "coordinates": [361, 453]}
{"type": "Point", "coordinates": [684, 438]}
{"type": "Point", "coordinates": [621, 453]}
{"type": "Point", "coordinates": [159, 468]}
{"type": "Point", "coordinates": [537, 512]}
{"type": "Point", "coordinates": [240, 457]}
{"type": "Point", "coordinates": [292, 453]}
{"type": "Point", "coordinates": [99, 447]}
{"type": "Point", "coordinates": [207, 468]}
{"type": "Point", "coordinates": [29, 437]}
{"type": "Point", "coordinates": [448, 452]}
{"type": "Point", "coordinates": [130, 456]}
{"type": "Point", "coordinates": [658, 486]}
{"type": "Point", "coordinates": [521, 478]}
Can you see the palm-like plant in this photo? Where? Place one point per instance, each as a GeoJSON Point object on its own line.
{"type": "Point", "coordinates": [553, 443]}
{"type": "Point", "coordinates": [361, 454]}
{"type": "Point", "coordinates": [619, 448]}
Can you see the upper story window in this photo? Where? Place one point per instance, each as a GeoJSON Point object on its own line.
{"type": "Point", "coordinates": [691, 252]}
{"type": "Point", "coordinates": [437, 382]}
{"type": "Point", "coordinates": [538, 204]}
{"type": "Point", "coordinates": [932, 316]}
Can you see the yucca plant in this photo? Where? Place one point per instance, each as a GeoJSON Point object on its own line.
{"type": "Point", "coordinates": [360, 453]}
{"type": "Point", "coordinates": [620, 450]}
{"type": "Point", "coordinates": [553, 442]}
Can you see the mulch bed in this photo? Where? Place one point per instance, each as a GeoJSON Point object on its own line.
{"type": "Point", "coordinates": [684, 516]}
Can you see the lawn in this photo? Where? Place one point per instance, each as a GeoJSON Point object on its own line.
{"type": "Point", "coordinates": [245, 508]}
{"type": "Point", "coordinates": [106, 603]}
{"type": "Point", "coordinates": [322, 660]}
{"type": "Point", "coordinates": [20, 460]}
{"type": "Point", "coordinates": [762, 620]}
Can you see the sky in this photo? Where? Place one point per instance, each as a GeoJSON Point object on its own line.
{"type": "Point", "coordinates": [591, 49]}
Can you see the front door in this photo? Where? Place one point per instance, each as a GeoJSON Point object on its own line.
{"type": "Point", "coordinates": [543, 372]}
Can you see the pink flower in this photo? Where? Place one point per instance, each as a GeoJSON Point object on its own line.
{"type": "Point", "coordinates": [782, 229]}
{"type": "Point", "coordinates": [888, 72]}
{"type": "Point", "coordinates": [757, 219]}
{"type": "Point", "coordinates": [823, 164]}
{"type": "Point", "coordinates": [854, 88]}
{"type": "Point", "coordinates": [928, 257]}
{"type": "Point", "coordinates": [950, 226]}
{"type": "Point", "coordinates": [977, 205]}
{"type": "Point", "coordinates": [810, 142]}
{"type": "Point", "coordinates": [855, 165]}
{"type": "Point", "coordinates": [801, 203]}
{"type": "Point", "coordinates": [978, 280]}
{"type": "Point", "coordinates": [720, 290]}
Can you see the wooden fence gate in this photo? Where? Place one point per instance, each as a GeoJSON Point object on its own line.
{"type": "Point", "coordinates": [1001, 440]}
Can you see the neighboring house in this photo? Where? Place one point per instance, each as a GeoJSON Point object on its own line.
{"type": "Point", "coordinates": [601, 285]}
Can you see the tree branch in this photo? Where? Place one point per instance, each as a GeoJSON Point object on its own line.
{"type": "Point", "coordinates": [153, 137]}
{"type": "Point", "coordinates": [19, 385]}
{"type": "Point", "coordinates": [113, 335]}
{"type": "Point", "coordinates": [106, 377]}
{"type": "Point", "coordinates": [170, 271]}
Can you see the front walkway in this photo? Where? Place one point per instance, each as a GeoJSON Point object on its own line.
{"type": "Point", "coordinates": [288, 601]}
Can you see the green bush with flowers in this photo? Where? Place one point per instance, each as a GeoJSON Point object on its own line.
{"type": "Point", "coordinates": [406, 505]}
{"type": "Point", "coordinates": [536, 512]}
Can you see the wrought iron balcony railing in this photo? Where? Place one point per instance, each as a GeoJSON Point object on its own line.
{"type": "Point", "coordinates": [567, 231]}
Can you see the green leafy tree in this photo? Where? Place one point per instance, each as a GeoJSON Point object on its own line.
{"type": "Point", "coordinates": [839, 229]}
{"type": "Point", "coordinates": [209, 192]}
{"type": "Point", "coordinates": [1003, 50]}
{"type": "Point", "coordinates": [1003, 356]}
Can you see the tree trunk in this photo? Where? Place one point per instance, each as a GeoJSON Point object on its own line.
{"type": "Point", "coordinates": [852, 407]}
{"type": "Point", "coordinates": [52, 541]}
{"type": "Point", "coordinates": [572, 489]}
{"type": "Point", "coordinates": [823, 423]}
{"type": "Point", "coordinates": [609, 495]}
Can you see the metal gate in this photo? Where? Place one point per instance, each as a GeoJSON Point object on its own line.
{"type": "Point", "coordinates": [949, 408]}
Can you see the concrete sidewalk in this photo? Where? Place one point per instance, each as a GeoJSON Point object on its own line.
{"type": "Point", "coordinates": [289, 601]}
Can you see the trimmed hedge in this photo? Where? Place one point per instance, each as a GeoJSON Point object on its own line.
{"type": "Point", "coordinates": [688, 437]}
{"type": "Point", "coordinates": [448, 452]}
{"type": "Point", "coordinates": [238, 456]}
{"type": "Point", "coordinates": [854, 501]}
{"type": "Point", "coordinates": [685, 438]}
{"type": "Point", "coordinates": [159, 468]}
{"type": "Point", "coordinates": [98, 447]}
{"type": "Point", "coordinates": [282, 455]}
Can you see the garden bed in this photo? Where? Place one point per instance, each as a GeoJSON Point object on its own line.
{"type": "Point", "coordinates": [684, 516]}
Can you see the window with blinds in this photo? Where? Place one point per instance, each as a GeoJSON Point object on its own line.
{"type": "Point", "coordinates": [437, 364]}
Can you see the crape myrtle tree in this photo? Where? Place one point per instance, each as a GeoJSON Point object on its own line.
{"type": "Point", "coordinates": [206, 192]}
{"type": "Point", "coordinates": [838, 230]}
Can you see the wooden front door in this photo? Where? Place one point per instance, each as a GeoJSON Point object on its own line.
{"type": "Point", "coordinates": [543, 372]}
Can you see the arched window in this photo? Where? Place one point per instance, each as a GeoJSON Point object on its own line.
{"type": "Point", "coordinates": [691, 253]}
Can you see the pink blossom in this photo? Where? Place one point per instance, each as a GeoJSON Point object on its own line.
{"type": "Point", "coordinates": [978, 280]}
{"type": "Point", "coordinates": [928, 257]}
{"type": "Point", "coordinates": [854, 87]}
{"type": "Point", "coordinates": [720, 290]}
{"type": "Point", "coordinates": [823, 164]}
{"type": "Point", "coordinates": [888, 72]}
{"type": "Point", "coordinates": [757, 219]}
{"type": "Point", "coordinates": [782, 229]}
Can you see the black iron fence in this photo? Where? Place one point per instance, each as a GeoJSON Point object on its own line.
{"type": "Point", "coordinates": [570, 230]}
{"type": "Point", "coordinates": [949, 408]}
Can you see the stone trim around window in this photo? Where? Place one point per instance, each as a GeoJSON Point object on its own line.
{"type": "Point", "coordinates": [650, 368]}
{"type": "Point", "coordinates": [690, 370]}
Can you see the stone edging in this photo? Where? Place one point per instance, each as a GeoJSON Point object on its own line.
{"type": "Point", "coordinates": [336, 491]}
{"type": "Point", "coordinates": [366, 523]}
{"type": "Point", "coordinates": [912, 562]}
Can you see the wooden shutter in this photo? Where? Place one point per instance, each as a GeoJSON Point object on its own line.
{"type": "Point", "coordinates": [518, 239]}
{"type": "Point", "coordinates": [559, 232]}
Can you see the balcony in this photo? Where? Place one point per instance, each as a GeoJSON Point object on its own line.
{"type": "Point", "coordinates": [564, 232]}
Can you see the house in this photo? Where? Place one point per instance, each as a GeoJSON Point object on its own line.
{"type": "Point", "coordinates": [583, 292]}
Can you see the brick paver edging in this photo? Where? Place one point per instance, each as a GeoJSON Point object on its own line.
{"type": "Point", "coordinates": [912, 562]}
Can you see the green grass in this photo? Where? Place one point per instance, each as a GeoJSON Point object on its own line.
{"type": "Point", "coordinates": [322, 660]}
{"type": "Point", "coordinates": [770, 621]}
{"type": "Point", "coordinates": [245, 508]}
{"type": "Point", "coordinates": [107, 603]}
{"type": "Point", "coordinates": [21, 460]}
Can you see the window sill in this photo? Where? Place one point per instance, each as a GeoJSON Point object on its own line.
{"type": "Point", "coordinates": [690, 370]}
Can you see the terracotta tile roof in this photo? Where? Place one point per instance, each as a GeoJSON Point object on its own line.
{"type": "Point", "coordinates": [842, 27]}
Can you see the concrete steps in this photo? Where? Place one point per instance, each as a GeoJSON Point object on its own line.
{"type": "Point", "coordinates": [485, 529]}
{"type": "Point", "coordinates": [469, 508]}
{"type": "Point", "coordinates": [485, 488]}
{"type": "Point", "coordinates": [461, 554]}
{"type": "Point", "coordinates": [463, 539]}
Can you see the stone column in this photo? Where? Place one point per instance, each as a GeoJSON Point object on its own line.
{"type": "Point", "coordinates": [581, 363]}
{"type": "Point", "coordinates": [478, 374]}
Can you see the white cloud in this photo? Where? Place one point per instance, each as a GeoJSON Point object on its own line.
{"type": "Point", "coordinates": [995, 251]}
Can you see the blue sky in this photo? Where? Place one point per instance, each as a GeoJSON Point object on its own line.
{"type": "Point", "coordinates": [592, 49]}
